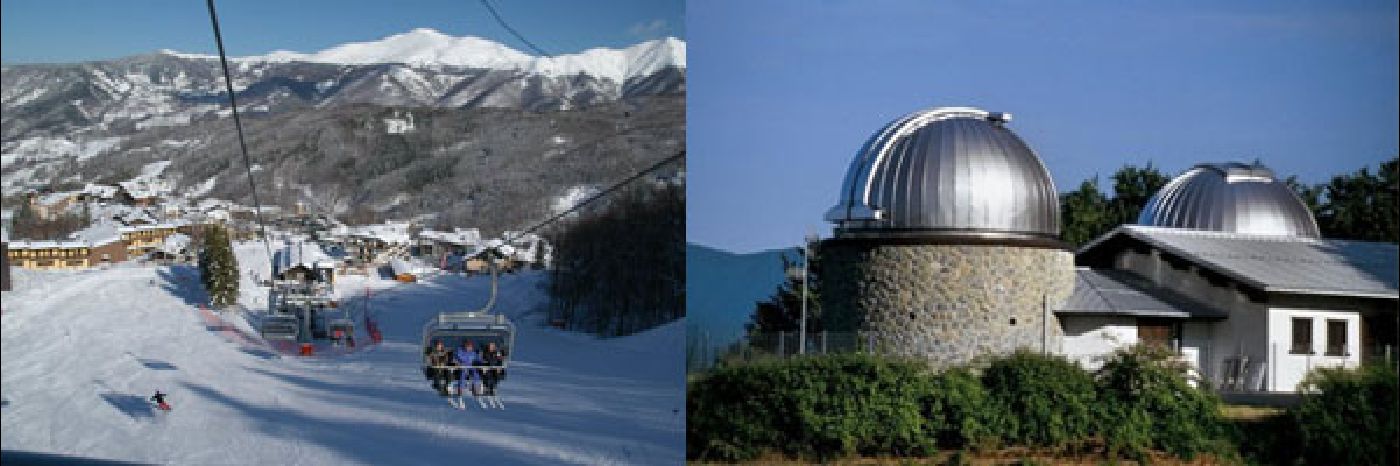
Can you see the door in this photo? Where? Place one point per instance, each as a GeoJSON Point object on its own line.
{"type": "Point", "coordinates": [1160, 332]}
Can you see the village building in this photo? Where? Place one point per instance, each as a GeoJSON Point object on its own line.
{"type": "Point", "coordinates": [94, 246]}
{"type": "Point", "coordinates": [144, 239]}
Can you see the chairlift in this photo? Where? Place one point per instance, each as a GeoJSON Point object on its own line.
{"type": "Point", "coordinates": [280, 327]}
{"type": "Point", "coordinates": [480, 327]}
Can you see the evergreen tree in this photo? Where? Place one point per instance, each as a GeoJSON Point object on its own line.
{"type": "Point", "coordinates": [1085, 213]}
{"type": "Point", "coordinates": [782, 312]}
{"type": "Point", "coordinates": [1132, 187]}
{"type": "Point", "coordinates": [218, 267]}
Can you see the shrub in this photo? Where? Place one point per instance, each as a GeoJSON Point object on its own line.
{"type": "Point", "coordinates": [818, 407]}
{"type": "Point", "coordinates": [1039, 400]}
{"type": "Point", "coordinates": [1148, 404]}
{"type": "Point", "coordinates": [1350, 416]}
{"type": "Point", "coordinates": [956, 409]}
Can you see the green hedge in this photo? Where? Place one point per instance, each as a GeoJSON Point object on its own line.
{"type": "Point", "coordinates": [824, 407]}
{"type": "Point", "coordinates": [1143, 390]}
{"type": "Point", "coordinates": [1350, 417]}
{"type": "Point", "coordinates": [1039, 400]}
{"type": "Point", "coordinates": [820, 407]}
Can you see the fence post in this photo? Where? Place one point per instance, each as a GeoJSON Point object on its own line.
{"type": "Point", "coordinates": [823, 341]}
{"type": "Point", "coordinates": [781, 344]}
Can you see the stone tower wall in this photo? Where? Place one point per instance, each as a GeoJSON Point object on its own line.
{"type": "Point", "coordinates": [946, 303]}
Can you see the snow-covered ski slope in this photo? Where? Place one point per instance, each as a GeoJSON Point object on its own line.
{"type": "Point", "coordinates": [82, 350]}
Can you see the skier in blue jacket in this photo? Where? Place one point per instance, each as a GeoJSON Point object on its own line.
{"type": "Point", "coordinates": [467, 356]}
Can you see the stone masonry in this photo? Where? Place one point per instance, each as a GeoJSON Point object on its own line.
{"type": "Point", "coordinates": [947, 303]}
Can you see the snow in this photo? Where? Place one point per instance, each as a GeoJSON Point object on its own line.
{"type": "Point", "coordinates": [45, 148]}
{"type": "Point", "coordinates": [573, 197]}
{"type": "Point", "coordinates": [204, 187]}
{"type": "Point", "coordinates": [424, 46]}
{"type": "Point", "coordinates": [82, 350]}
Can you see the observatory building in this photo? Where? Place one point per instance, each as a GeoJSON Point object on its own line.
{"type": "Point", "coordinates": [945, 243]}
{"type": "Point", "coordinates": [946, 248]}
{"type": "Point", "coordinates": [1227, 267]}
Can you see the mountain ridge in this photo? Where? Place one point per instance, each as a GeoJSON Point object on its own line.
{"type": "Point", "coordinates": [428, 47]}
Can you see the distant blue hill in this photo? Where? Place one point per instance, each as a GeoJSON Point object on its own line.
{"type": "Point", "coordinates": [721, 288]}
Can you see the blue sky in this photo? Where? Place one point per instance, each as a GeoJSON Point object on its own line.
{"type": "Point", "coordinates": [48, 31]}
{"type": "Point", "coordinates": [782, 93]}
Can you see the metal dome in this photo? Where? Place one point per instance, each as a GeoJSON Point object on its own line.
{"type": "Point", "coordinates": [947, 171]}
{"type": "Point", "coordinates": [1230, 197]}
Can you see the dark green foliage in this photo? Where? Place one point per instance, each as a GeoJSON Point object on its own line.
{"type": "Point", "coordinates": [1361, 205]}
{"type": "Point", "coordinates": [1086, 213]}
{"type": "Point", "coordinates": [218, 267]}
{"type": "Point", "coordinates": [1039, 400]}
{"type": "Point", "coordinates": [621, 269]}
{"type": "Point", "coordinates": [1353, 420]}
{"type": "Point", "coordinates": [824, 407]}
{"type": "Point", "coordinates": [1144, 390]}
{"type": "Point", "coordinates": [817, 408]}
{"type": "Point", "coordinates": [782, 312]}
{"type": "Point", "coordinates": [956, 409]}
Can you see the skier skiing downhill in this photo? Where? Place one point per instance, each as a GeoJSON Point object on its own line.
{"type": "Point", "coordinates": [159, 399]}
{"type": "Point", "coordinates": [467, 357]}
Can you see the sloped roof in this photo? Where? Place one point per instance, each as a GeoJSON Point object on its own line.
{"type": "Point", "coordinates": [301, 254]}
{"type": "Point", "coordinates": [1117, 292]}
{"type": "Point", "coordinates": [1279, 264]}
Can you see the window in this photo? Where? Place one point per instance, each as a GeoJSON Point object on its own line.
{"type": "Point", "coordinates": [1336, 337]}
{"type": "Point", "coordinates": [1302, 336]}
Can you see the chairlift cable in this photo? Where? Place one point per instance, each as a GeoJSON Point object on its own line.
{"type": "Point", "coordinates": [512, 30]}
{"type": "Point", "coordinates": [238, 125]}
{"type": "Point", "coordinates": [600, 195]}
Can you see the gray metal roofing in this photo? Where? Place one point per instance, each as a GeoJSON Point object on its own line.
{"type": "Point", "coordinates": [948, 168]}
{"type": "Point", "coordinates": [1230, 197]}
{"type": "Point", "coordinates": [1116, 292]}
{"type": "Point", "coordinates": [1281, 263]}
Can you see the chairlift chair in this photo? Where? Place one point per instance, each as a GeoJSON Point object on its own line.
{"type": "Point", "coordinates": [280, 327]}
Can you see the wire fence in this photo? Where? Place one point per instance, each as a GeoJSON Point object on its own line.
{"type": "Point", "coordinates": [701, 354]}
{"type": "Point", "coordinates": [1226, 372]}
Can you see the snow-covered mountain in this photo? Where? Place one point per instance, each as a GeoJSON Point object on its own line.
{"type": "Point", "coordinates": [421, 68]}
{"type": "Point", "coordinates": [428, 47]}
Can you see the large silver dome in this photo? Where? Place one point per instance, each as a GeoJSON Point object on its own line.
{"type": "Point", "coordinates": [947, 171]}
{"type": "Point", "coordinates": [1230, 197]}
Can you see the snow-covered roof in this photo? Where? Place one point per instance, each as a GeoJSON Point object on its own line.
{"type": "Point", "coordinates": [55, 198]}
{"type": "Point", "coordinates": [101, 191]}
{"type": "Point", "coordinates": [302, 254]}
{"type": "Point", "coordinates": [98, 234]}
{"type": "Point", "coordinates": [403, 267]}
{"type": "Point", "coordinates": [175, 244]}
{"type": "Point", "coordinates": [391, 232]}
{"type": "Point", "coordinates": [458, 236]}
{"type": "Point", "coordinates": [157, 226]}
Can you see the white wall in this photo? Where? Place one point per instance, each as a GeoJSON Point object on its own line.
{"type": "Point", "coordinates": [1088, 338]}
{"type": "Point", "coordinates": [1290, 368]}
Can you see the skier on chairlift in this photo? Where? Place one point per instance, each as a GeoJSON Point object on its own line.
{"type": "Point", "coordinates": [469, 379]}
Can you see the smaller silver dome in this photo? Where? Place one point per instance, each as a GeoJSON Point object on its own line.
{"type": "Point", "coordinates": [1230, 197]}
{"type": "Point", "coordinates": [943, 172]}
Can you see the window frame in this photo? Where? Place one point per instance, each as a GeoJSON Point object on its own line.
{"type": "Point", "coordinates": [1306, 347]}
{"type": "Point", "coordinates": [1343, 349]}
